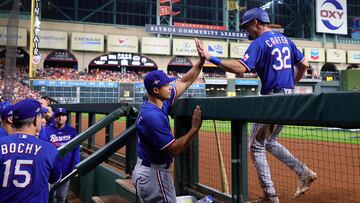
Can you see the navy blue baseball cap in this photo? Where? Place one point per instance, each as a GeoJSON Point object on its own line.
{"type": "Point", "coordinates": [27, 108]}
{"type": "Point", "coordinates": [156, 78]}
{"type": "Point", "coordinates": [59, 111]}
{"type": "Point", "coordinates": [7, 112]}
{"type": "Point", "coordinates": [255, 13]}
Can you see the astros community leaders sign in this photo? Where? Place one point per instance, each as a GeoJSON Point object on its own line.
{"type": "Point", "coordinates": [169, 30]}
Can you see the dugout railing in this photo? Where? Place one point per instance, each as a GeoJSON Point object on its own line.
{"type": "Point", "coordinates": [330, 110]}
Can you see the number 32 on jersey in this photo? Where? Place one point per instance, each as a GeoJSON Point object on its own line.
{"type": "Point", "coordinates": [283, 58]}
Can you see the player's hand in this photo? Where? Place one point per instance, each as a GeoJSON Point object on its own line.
{"type": "Point", "coordinates": [196, 118]}
{"type": "Point", "coordinates": [201, 51]}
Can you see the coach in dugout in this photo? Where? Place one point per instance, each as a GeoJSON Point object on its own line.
{"type": "Point", "coordinates": [156, 145]}
{"type": "Point", "coordinates": [279, 65]}
{"type": "Point", "coordinates": [27, 163]}
{"type": "Point", "coordinates": [59, 134]}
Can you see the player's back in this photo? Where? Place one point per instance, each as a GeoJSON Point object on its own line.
{"type": "Point", "coordinates": [27, 165]}
{"type": "Point", "coordinates": [278, 55]}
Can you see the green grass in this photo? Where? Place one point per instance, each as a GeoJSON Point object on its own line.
{"type": "Point", "coordinates": [291, 132]}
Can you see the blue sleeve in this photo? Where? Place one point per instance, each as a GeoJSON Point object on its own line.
{"type": "Point", "coordinates": [159, 133]}
{"type": "Point", "coordinates": [298, 56]}
{"type": "Point", "coordinates": [252, 56]}
{"type": "Point", "coordinates": [55, 174]}
{"type": "Point", "coordinates": [168, 104]}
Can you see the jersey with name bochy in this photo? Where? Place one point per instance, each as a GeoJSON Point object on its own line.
{"type": "Point", "coordinates": [27, 165]}
{"type": "Point", "coordinates": [273, 56]}
{"type": "Point", "coordinates": [154, 132]}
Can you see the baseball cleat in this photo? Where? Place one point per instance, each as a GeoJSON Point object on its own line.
{"type": "Point", "coordinates": [306, 178]}
{"type": "Point", "coordinates": [267, 199]}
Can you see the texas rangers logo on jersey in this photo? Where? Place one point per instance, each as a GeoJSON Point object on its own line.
{"type": "Point", "coordinates": [331, 16]}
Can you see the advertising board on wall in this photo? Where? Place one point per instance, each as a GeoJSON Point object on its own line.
{"type": "Point", "coordinates": [184, 47]}
{"type": "Point", "coordinates": [237, 50]}
{"type": "Point", "coordinates": [335, 56]}
{"type": "Point", "coordinates": [217, 48]}
{"type": "Point", "coordinates": [331, 16]}
{"type": "Point", "coordinates": [353, 57]}
{"type": "Point", "coordinates": [87, 42]}
{"type": "Point", "coordinates": [155, 45]}
{"type": "Point", "coordinates": [21, 37]}
{"type": "Point", "coordinates": [315, 54]}
{"type": "Point", "coordinates": [53, 40]}
{"type": "Point", "coordinates": [122, 43]}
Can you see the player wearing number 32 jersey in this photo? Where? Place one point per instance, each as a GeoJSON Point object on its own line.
{"type": "Point", "coordinates": [273, 56]}
{"type": "Point", "coordinates": [279, 65]}
{"type": "Point", "coordinates": [27, 164]}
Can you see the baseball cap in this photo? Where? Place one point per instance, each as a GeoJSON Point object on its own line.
{"type": "Point", "coordinates": [255, 13]}
{"type": "Point", "coordinates": [60, 111]}
{"type": "Point", "coordinates": [7, 112]}
{"type": "Point", "coordinates": [156, 78]}
{"type": "Point", "coordinates": [27, 108]}
{"type": "Point", "coordinates": [4, 104]}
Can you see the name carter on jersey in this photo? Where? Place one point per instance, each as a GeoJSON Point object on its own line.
{"type": "Point", "coordinates": [276, 40]}
{"type": "Point", "coordinates": [20, 148]}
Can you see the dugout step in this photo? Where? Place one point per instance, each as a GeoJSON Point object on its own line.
{"type": "Point", "coordinates": [108, 199]}
{"type": "Point", "coordinates": [126, 189]}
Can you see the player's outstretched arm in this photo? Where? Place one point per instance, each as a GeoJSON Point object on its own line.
{"type": "Point", "coordinates": [183, 142]}
{"type": "Point", "coordinates": [300, 70]}
{"type": "Point", "coordinates": [189, 78]}
{"type": "Point", "coordinates": [232, 66]}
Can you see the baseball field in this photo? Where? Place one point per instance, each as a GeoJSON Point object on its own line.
{"type": "Point", "coordinates": [332, 153]}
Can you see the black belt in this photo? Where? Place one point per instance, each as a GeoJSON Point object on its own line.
{"type": "Point", "coordinates": [148, 164]}
{"type": "Point", "coordinates": [280, 90]}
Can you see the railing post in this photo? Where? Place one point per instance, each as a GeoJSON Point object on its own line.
{"type": "Point", "coordinates": [109, 133]}
{"type": "Point", "coordinates": [183, 163]}
{"type": "Point", "coordinates": [78, 123]}
{"type": "Point", "coordinates": [91, 121]}
{"type": "Point", "coordinates": [239, 161]}
{"type": "Point", "coordinates": [131, 147]}
{"type": "Point", "coordinates": [69, 118]}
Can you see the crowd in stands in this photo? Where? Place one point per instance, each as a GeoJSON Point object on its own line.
{"type": "Point", "coordinates": [19, 91]}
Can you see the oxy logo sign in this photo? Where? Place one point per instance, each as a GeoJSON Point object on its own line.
{"type": "Point", "coordinates": [216, 48]}
{"type": "Point", "coordinates": [331, 16]}
{"type": "Point", "coordinates": [315, 54]}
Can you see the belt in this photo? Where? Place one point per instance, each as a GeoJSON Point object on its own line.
{"type": "Point", "coordinates": [282, 90]}
{"type": "Point", "coordinates": [150, 165]}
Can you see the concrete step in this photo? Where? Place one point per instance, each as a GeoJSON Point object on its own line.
{"type": "Point", "coordinates": [108, 199]}
{"type": "Point", "coordinates": [126, 189]}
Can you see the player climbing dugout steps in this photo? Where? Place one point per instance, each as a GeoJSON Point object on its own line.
{"type": "Point", "coordinates": [156, 145]}
{"type": "Point", "coordinates": [59, 134]}
{"type": "Point", "coordinates": [280, 65]}
{"type": "Point", "coordinates": [27, 164]}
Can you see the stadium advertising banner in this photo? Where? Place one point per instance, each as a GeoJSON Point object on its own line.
{"type": "Point", "coordinates": [216, 48]}
{"type": "Point", "coordinates": [53, 40]}
{"type": "Point", "coordinates": [335, 56]}
{"type": "Point", "coordinates": [197, 32]}
{"type": "Point", "coordinates": [21, 37]}
{"type": "Point", "coordinates": [122, 43]}
{"type": "Point", "coordinates": [237, 50]}
{"type": "Point", "coordinates": [315, 54]}
{"type": "Point", "coordinates": [87, 42]}
{"type": "Point", "coordinates": [155, 45]}
{"type": "Point", "coordinates": [184, 47]}
{"type": "Point", "coordinates": [331, 16]}
{"type": "Point", "coordinates": [353, 57]}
